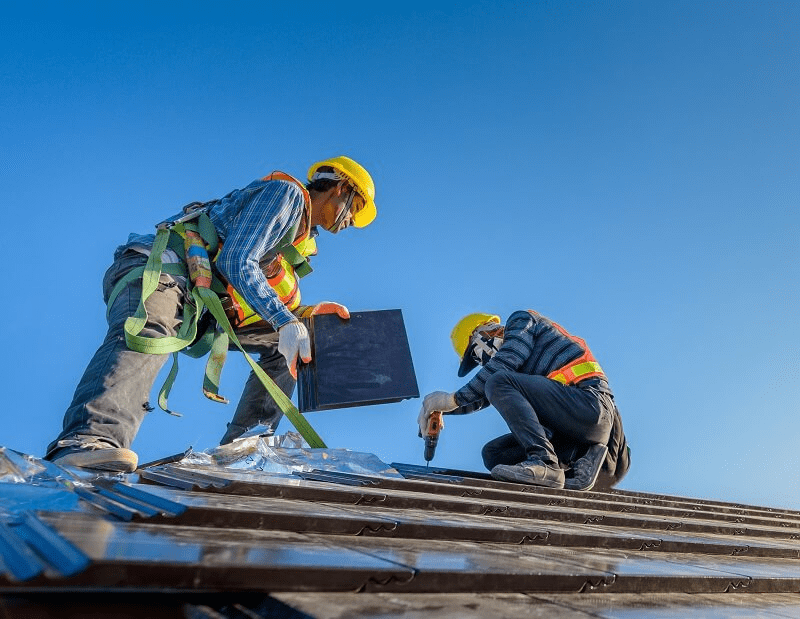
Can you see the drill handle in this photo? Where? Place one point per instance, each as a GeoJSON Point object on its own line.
{"type": "Point", "coordinates": [435, 424]}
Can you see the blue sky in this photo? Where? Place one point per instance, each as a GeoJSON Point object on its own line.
{"type": "Point", "coordinates": [629, 169]}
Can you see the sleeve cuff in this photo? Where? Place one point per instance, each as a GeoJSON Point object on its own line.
{"type": "Point", "coordinates": [282, 318]}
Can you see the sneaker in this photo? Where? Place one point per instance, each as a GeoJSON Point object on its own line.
{"type": "Point", "coordinates": [115, 459]}
{"type": "Point", "coordinates": [533, 472]}
{"type": "Point", "coordinates": [586, 469]}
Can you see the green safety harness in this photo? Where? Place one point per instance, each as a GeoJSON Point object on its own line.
{"type": "Point", "coordinates": [214, 342]}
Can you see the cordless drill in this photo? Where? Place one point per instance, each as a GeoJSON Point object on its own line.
{"type": "Point", "coordinates": [432, 435]}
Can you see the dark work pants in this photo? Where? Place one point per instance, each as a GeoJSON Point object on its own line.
{"type": "Point", "coordinates": [529, 404]}
{"type": "Point", "coordinates": [112, 397]}
{"type": "Point", "coordinates": [256, 406]}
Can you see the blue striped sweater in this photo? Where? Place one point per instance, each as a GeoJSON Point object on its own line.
{"type": "Point", "coordinates": [531, 345]}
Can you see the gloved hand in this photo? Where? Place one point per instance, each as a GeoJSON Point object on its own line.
{"type": "Point", "coordinates": [326, 307]}
{"type": "Point", "coordinates": [437, 401]}
{"type": "Point", "coordinates": [329, 307]}
{"type": "Point", "coordinates": [293, 340]}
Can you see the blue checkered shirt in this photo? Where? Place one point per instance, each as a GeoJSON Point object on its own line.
{"type": "Point", "coordinates": [250, 222]}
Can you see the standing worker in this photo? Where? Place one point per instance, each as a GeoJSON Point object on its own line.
{"type": "Point", "coordinates": [545, 383]}
{"type": "Point", "coordinates": [262, 237]}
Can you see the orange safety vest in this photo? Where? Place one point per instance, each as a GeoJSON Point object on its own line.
{"type": "Point", "coordinates": [585, 366]}
{"type": "Point", "coordinates": [279, 272]}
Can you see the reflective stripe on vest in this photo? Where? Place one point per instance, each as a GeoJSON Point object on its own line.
{"type": "Point", "coordinates": [284, 281]}
{"type": "Point", "coordinates": [583, 367]}
{"type": "Point", "coordinates": [285, 284]}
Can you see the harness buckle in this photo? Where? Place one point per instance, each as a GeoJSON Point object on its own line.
{"type": "Point", "coordinates": [168, 224]}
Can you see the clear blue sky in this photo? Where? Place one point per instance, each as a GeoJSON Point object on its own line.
{"type": "Point", "coordinates": [629, 169]}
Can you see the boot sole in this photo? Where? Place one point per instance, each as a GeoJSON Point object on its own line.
{"type": "Point", "coordinates": [116, 460]}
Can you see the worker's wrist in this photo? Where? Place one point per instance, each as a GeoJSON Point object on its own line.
{"type": "Point", "coordinates": [281, 319]}
{"type": "Point", "coordinates": [441, 401]}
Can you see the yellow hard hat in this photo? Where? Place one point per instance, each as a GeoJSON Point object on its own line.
{"type": "Point", "coordinates": [359, 178]}
{"type": "Point", "coordinates": [461, 334]}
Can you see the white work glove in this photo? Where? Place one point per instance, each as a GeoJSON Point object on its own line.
{"type": "Point", "coordinates": [441, 401]}
{"type": "Point", "coordinates": [293, 341]}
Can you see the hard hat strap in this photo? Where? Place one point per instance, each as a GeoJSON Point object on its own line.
{"type": "Point", "coordinates": [343, 213]}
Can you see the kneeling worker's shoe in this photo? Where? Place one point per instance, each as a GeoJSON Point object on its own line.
{"type": "Point", "coordinates": [586, 469]}
{"type": "Point", "coordinates": [533, 472]}
{"type": "Point", "coordinates": [114, 459]}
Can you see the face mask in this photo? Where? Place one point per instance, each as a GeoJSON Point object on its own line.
{"type": "Point", "coordinates": [485, 342]}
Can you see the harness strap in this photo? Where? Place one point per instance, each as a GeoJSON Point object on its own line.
{"type": "Point", "coordinates": [203, 298]}
{"type": "Point", "coordinates": [298, 261]}
{"type": "Point", "coordinates": [214, 342]}
{"type": "Point", "coordinates": [286, 248]}
{"type": "Point", "coordinates": [171, 268]}
{"type": "Point", "coordinates": [212, 302]}
{"type": "Point", "coordinates": [216, 361]}
{"type": "Point", "coordinates": [134, 324]}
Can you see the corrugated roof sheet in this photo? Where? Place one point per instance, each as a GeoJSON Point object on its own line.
{"type": "Point", "coordinates": [209, 537]}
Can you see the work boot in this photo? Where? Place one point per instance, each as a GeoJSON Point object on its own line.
{"type": "Point", "coordinates": [586, 469]}
{"type": "Point", "coordinates": [533, 472]}
{"type": "Point", "coordinates": [114, 459]}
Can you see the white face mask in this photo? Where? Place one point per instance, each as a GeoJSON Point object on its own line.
{"type": "Point", "coordinates": [485, 342]}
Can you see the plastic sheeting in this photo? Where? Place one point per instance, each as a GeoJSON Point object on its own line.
{"type": "Point", "coordinates": [287, 453]}
{"type": "Point", "coordinates": [30, 483]}
{"type": "Point", "coordinates": [18, 468]}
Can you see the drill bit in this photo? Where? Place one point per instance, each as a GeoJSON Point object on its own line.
{"type": "Point", "coordinates": [432, 435]}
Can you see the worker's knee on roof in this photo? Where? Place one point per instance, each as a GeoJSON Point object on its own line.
{"type": "Point", "coordinates": [504, 449]}
{"type": "Point", "coordinates": [489, 455]}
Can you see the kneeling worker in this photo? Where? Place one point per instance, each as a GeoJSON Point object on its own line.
{"type": "Point", "coordinates": [551, 392]}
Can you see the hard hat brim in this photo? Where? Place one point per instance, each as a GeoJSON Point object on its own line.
{"type": "Point", "coordinates": [461, 337]}
{"type": "Point", "coordinates": [366, 215]}
{"type": "Point", "coordinates": [468, 363]}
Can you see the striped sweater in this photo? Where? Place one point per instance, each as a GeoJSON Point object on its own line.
{"type": "Point", "coordinates": [531, 345]}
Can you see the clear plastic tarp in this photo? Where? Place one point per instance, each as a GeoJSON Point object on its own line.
{"type": "Point", "coordinates": [30, 483]}
{"type": "Point", "coordinates": [285, 454]}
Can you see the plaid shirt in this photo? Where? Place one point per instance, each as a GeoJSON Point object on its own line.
{"type": "Point", "coordinates": [250, 222]}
